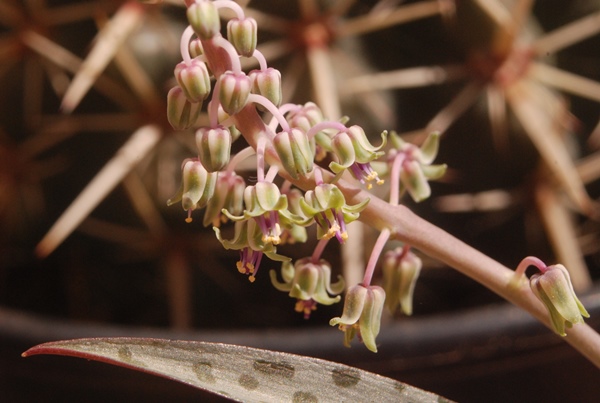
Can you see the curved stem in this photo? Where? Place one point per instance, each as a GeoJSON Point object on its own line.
{"type": "Point", "coordinates": [325, 125]}
{"type": "Point", "coordinates": [262, 62]}
{"type": "Point", "coordinates": [239, 157]}
{"type": "Point", "coordinates": [395, 179]}
{"type": "Point", "coordinates": [236, 65]}
{"type": "Point", "coordinates": [530, 261]}
{"type": "Point", "coordinates": [271, 173]}
{"type": "Point", "coordinates": [375, 253]}
{"type": "Point", "coordinates": [316, 256]}
{"type": "Point", "coordinates": [184, 45]}
{"type": "Point", "coordinates": [270, 106]}
{"type": "Point", "coordinates": [236, 8]}
{"type": "Point", "coordinates": [260, 158]}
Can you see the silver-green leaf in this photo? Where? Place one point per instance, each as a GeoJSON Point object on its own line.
{"type": "Point", "coordinates": [241, 373]}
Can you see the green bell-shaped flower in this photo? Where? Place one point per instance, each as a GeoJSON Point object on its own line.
{"type": "Point", "coordinates": [248, 239]}
{"type": "Point", "coordinates": [353, 146]}
{"type": "Point", "coordinates": [363, 307]}
{"type": "Point", "coordinates": [310, 283]}
{"type": "Point", "coordinates": [327, 206]}
{"type": "Point", "coordinates": [401, 270]}
{"type": "Point", "coordinates": [553, 287]}
{"type": "Point", "coordinates": [416, 170]}
{"type": "Point", "coordinates": [197, 187]}
{"type": "Point", "coordinates": [294, 151]}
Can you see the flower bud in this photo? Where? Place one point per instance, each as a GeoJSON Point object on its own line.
{"type": "Point", "coordinates": [293, 149]}
{"type": "Point", "coordinates": [196, 48]}
{"type": "Point", "coordinates": [203, 16]}
{"type": "Point", "coordinates": [193, 79]}
{"type": "Point", "coordinates": [553, 287]}
{"type": "Point", "coordinates": [268, 84]}
{"type": "Point", "coordinates": [352, 146]}
{"type": "Point", "coordinates": [242, 35]}
{"type": "Point", "coordinates": [342, 146]}
{"type": "Point", "coordinates": [304, 119]}
{"type": "Point", "coordinates": [181, 113]}
{"type": "Point", "coordinates": [197, 188]}
{"type": "Point", "coordinates": [214, 147]}
{"type": "Point", "coordinates": [234, 90]}
{"type": "Point", "coordinates": [363, 307]}
{"type": "Point", "coordinates": [401, 269]}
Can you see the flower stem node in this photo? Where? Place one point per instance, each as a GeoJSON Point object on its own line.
{"type": "Point", "coordinates": [181, 113]}
{"type": "Point", "coordinates": [242, 34]}
{"type": "Point", "coordinates": [203, 16]}
{"type": "Point", "coordinates": [194, 80]}
{"type": "Point", "coordinates": [363, 307]}
{"type": "Point", "coordinates": [294, 151]}
{"type": "Point", "coordinates": [327, 206]}
{"type": "Point", "coordinates": [234, 90]}
{"type": "Point", "coordinates": [309, 282]}
{"type": "Point", "coordinates": [198, 186]}
{"type": "Point", "coordinates": [268, 84]}
{"type": "Point", "coordinates": [553, 287]}
{"type": "Point", "coordinates": [214, 147]}
{"type": "Point", "coordinates": [401, 269]}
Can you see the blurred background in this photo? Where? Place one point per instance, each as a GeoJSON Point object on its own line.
{"type": "Point", "coordinates": [513, 86]}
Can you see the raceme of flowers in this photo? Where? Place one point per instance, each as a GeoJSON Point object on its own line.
{"type": "Point", "coordinates": [294, 144]}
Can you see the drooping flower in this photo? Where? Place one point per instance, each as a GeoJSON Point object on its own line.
{"type": "Point", "coordinates": [363, 307]}
{"type": "Point", "coordinates": [310, 283]}
{"type": "Point", "coordinates": [416, 170]}
{"type": "Point", "coordinates": [268, 84]}
{"type": "Point", "coordinates": [181, 113]}
{"type": "Point", "coordinates": [401, 269]}
{"type": "Point", "coordinates": [294, 151]}
{"type": "Point", "coordinates": [197, 187]}
{"type": "Point", "coordinates": [234, 89]}
{"type": "Point", "coordinates": [242, 33]}
{"type": "Point", "coordinates": [354, 151]}
{"type": "Point", "coordinates": [214, 147]}
{"type": "Point", "coordinates": [553, 287]}
{"type": "Point", "coordinates": [304, 118]}
{"type": "Point", "coordinates": [194, 80]}
{"type": "Point", "coordinates": [326, 204]}
{"type": "Point", "coordinates": [269, 209]}
{"type": "Point", "coordinates": [248, 239]}
{"type": "Point", "coordinates": [203, 16]}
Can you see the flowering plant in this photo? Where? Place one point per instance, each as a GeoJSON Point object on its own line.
{"type": "Point", "coordinates": [311, 155]}
{"type": "Point", "coordinates": [314, 170]}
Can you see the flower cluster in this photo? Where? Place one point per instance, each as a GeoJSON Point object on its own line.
{"type": "Point", "coordinates": [300, 146]}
